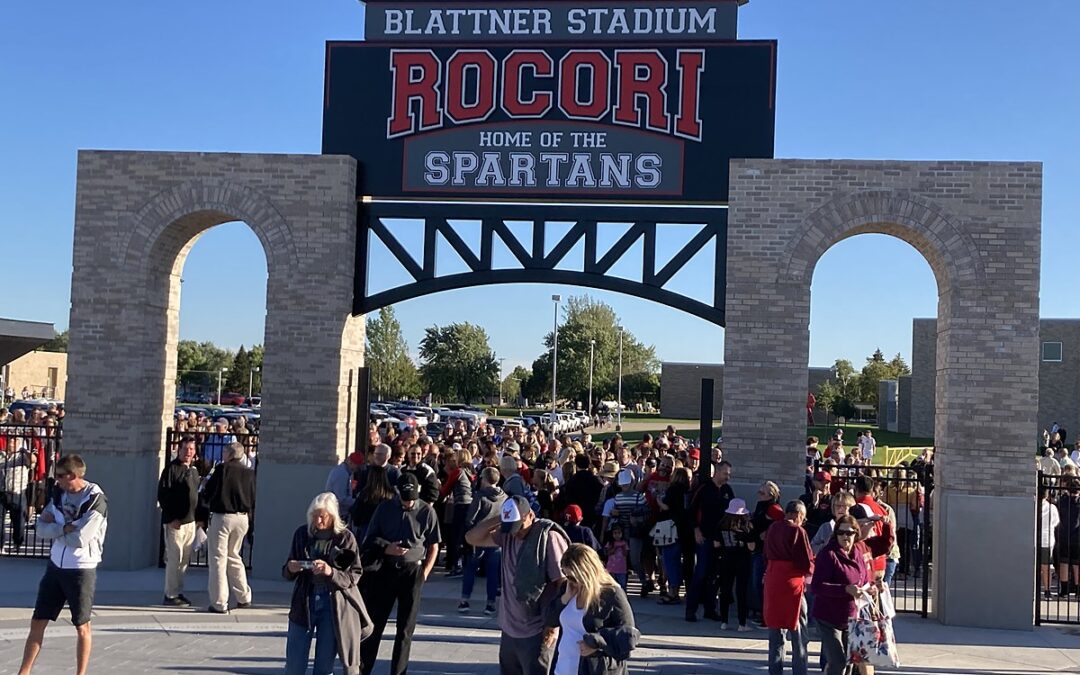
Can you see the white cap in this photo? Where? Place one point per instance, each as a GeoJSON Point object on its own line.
{"type": "Point", "coordinates": [510, 512]}
{"type": "Point", "coordinates": [625, 477]}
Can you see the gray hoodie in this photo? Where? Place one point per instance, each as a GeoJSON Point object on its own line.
{"type": "Point", "coordinates": [485, 504]}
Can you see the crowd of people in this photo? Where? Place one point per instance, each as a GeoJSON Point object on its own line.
{"type": "Point", "coordinates": [1058, 465]}
{"type": "Point", "coordinates": [29, 447]}
{"type": "Point", "coordinates": [560, 529]}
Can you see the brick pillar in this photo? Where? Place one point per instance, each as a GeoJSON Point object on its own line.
{"type": "Point", "coordinates": [137, 216]}
{"type": "Point", "coordinates": [978, 226]}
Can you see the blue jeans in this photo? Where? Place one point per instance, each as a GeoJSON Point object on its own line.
{"type": "Point", "coordinates": [703, 586]}
{"type": "Point", "coordinates": [673, 567]}
{"type": "Point", "coordinates": [491, 559]}
{"type": "Point", "coordinates": [890, 570]}
{"type": "Point", "coordinates": [298, 640]}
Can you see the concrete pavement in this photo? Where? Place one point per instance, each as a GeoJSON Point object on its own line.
{"type": "Point", "coordinates": [134, 634]}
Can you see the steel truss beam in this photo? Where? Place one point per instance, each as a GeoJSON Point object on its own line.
{"type": "Point", "coordinates": [536, 266]}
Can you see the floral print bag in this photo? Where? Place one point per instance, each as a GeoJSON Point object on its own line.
{"type": "Point", "coordinates": [871, 639]}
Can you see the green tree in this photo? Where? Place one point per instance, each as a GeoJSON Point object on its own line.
{"type": "Point", "coordinates": [57, 344]}
{"type": "Point", "coordinates": [876, 370]}
{"type": "Point", "coordinates": [386, 354]}
{"type": "Point", "coordinates": [591, 323]}
{"type": "Point", "coordinates": [198, 364]}
{"type": "Point", "coordinates": [515, 383]}
{"type": "Point", "coordinates": [457, 362]}
{"type": "Point", "coordinates": [239, 372]}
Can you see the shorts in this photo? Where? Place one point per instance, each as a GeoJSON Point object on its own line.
{"type": "Point", "coordinates": [75, 587]}
{"type": "Point", "coordinates": [1068, 555]}
{"type": "Point", "coordinates": [1046, 555]}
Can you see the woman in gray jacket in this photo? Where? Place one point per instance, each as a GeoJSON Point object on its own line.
{"type": "Point", "coordinates": [324, 561]}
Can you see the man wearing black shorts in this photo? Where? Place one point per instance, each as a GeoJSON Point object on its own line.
{"type": "Point", "coordinates": [75, 521]}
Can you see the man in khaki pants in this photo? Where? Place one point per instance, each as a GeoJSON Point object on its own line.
{"type": "Point", "coordinates": [178, 494]}
{"type": "Point", "coordinates": [231, 495]}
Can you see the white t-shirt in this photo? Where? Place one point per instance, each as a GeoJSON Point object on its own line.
{"type": "Point", "coordinates": [1050, 520]}
{"type": "Point", "coordinates": [866, 446]}
{"type": "Point", "coordinates": [571, 621]}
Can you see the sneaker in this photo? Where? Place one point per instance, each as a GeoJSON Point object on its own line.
{"type": "Point", "coordinates": [215, 610]}
{"type": "Point", "coordinates": [243, 605]}
{"type": "Point", "coordinates": [453, 573]}
{"type": "Point", "coordinates": [463, 607]}
{"type": "Point", "coordinates": [175, 602]}
{"type": "Point", "coordinates": [489, 610]}
{"type": "Point", "coordinates": [745, 629]}
{"type": "Point", "coordinates": [723, 626]}
{"type": "Point", "coordinates": [183, 598]}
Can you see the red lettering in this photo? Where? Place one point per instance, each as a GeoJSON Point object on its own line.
{"type": "Point", "coordinates": [688, 122]}
{"type": "Point", "coordinates": [513, 99]}
{"type": "Point", "coordinates": [416, 76]}
{"type": "Point", "coordinates": [483, 102]}
{"type": "Point", "coordinates": [571, 69]}
{"type": "Point", "coordinates": [642, 74]}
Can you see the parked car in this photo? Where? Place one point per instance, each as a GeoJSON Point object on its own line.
{"type": "Point", "coordinates": [496, 423]}
{"type": "Point", "coordinates": [231, 398]}
{"type": "Point", "coordinates": [434, 429]}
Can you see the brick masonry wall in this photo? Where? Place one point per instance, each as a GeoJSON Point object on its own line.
{"type": "Point", "coordinates": [903, 412]}
{"type": "Point", "coordinates": [1058, 382]}
{"type": "Point", "coordinates": [923, 375]}
{"type": "Point", "coordinates": [137, 216]}
{"type": "Point", "coordinates": [977, 224]}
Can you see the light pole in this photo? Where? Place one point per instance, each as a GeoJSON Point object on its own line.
{"type": "Point", "coordinates": [618, 423]}
{"type": "Point", "coordinates": [251, 380]}
{"type": "Point", "coordinates": [592, 351]}
{"type": "Point", "coordinates": [501, 368]}
{"type": "Point", "coordinates": [220, 373]}
{"type": "Point", "coordinates": [555, 360]}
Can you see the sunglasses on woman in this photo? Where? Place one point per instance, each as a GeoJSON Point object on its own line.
{"type": "Point", "coordinates": [845, 533]}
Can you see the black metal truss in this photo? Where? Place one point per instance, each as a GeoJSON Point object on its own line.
{"type": "Point", "coordinates": [536, 267]}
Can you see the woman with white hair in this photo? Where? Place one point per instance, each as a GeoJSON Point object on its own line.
{"type": "Point", "coordinates": [324, 561]}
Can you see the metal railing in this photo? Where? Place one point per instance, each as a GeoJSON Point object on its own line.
{"type": "Point", "coordinates": [27, 455]}
{"type": "Point", "coordinates": [1057, 553]}
{"type": "Point", "coordinates": [908, 491]}
{"type": "Point", "coordinates": [209, 446]}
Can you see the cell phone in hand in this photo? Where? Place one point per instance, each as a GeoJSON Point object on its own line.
{"type": "Point", "coordinates": [306, 564]}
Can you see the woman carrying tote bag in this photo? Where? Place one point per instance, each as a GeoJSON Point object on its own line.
{"type": "Point", "coordinates": [597, 631]}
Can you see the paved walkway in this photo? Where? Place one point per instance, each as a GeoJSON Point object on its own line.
{"type": "Point", "coordinates": [134, 635]}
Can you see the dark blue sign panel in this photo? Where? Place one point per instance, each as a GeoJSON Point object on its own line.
{"type": "Point", "coordinates": [644, 123]}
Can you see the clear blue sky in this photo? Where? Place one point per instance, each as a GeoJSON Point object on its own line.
{"type": "Point", "coordinates": [963, 79]}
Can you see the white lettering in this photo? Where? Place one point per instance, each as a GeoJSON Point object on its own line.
{"type": "Point", "coordinates": [521, 21]}
{"type": "Point", "coordinates": [618, 22]}
{"type": "Point", "coordinates": [575, 19]}
{"type": "Point", "coordinates": [523, 169]}
{"type": "Point", "coordinates": [706, 23]}
{"type": "Point", "coordinates": [642, 21]}
{"type": "Point", "coordinates": [612, 174]}
{"type": "Point", "coordinates": [409, 30]}
{"type": "Point", "coordinates": [542, 19]}
{"type": "Point", "coordinates": [465, 163]}
{"type": "Point", "coordinates": [491, 172]}
{"type": "Point", "coordinates": [456, 15]}
{"type": "Point", "coordinates": [553, 160]}
{"type": "Point", "coordinates": [581, 173]}
{"type": "Point", "coordinates": [648, 168]}
{"type": "Point", "coordinates": [437, 172]}
{"type": "Point", "coordinates": [393, 21]}
{"type": "Point", "coordinates": [435, 23]}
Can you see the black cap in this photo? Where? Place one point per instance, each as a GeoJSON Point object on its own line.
{"type": "Point", "coordinates": [408, 487]}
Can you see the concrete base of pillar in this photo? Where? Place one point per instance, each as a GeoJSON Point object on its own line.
{"type": "Point", "coordinates": [130, 485]}
{"type": "Point", "coordinates": [284, 492]}
{"type": "Point", "coordinates": [984, 561]}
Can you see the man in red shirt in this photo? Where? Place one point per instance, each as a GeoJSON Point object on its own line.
{"type": "Point", "coordinates": [864, 500]}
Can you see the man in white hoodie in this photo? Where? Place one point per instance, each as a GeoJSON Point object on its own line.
{"type": "Point", "coordinates": [75, 521]}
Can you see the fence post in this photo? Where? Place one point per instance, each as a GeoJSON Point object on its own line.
{"type": "Point", "coordinates": [363, 408]}
{"type": "Point", "coordinates": [705, 430]}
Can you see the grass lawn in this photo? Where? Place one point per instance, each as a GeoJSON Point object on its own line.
{"type": "Point", "coordinates": [892, 447]}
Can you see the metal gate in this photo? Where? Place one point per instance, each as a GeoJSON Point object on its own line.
{"type": "Point", "coordinates": [27, 455]}
{"type": "Point", "coordinates": [1057, 563]}
{"type": "Point", "coordinates": [209, 441]}
{"type": "Point", "coordinates": [908, 491]}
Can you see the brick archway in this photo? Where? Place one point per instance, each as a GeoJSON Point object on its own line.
{"type": "Point", "coordinates": [978, 226]}
{"type": "Point", "coordinates": [138, 215]}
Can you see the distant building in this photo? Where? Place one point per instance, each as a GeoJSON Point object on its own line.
{"type": "Point", "coordinates": [1059, 378]}
{"type": "Point", "coordinates": [680, 389]}
{"type": "Point", "coordinates": [40, 373]}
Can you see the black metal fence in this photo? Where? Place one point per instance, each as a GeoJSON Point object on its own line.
{"type": "Point", "coordinates": [27, 455]}
{"type": "Point", "coordinates": [1057, 565]}
{"type": "Point", "coordinates": [209, 448]}
{"type": "Point", "coordinates": [908, 492]}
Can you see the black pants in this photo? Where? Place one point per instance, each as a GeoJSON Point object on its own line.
{"type": "Point", "coordinates": [734, 573]}
{"type": "Point", "coordinates": [15, 505]}
{"type": "Point", "coordinates": [455, 545]}
{"type": "Point", "coordinates": [381, 590]}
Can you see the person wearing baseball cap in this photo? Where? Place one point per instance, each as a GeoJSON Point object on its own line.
{"type": "Point", "coordinates": [340, 482]}
{"type": "Point", "coordinates": [406, 531]}
{"type": "Point", "coordinates": [532, 548]}
{"type": "Point", "coordinates": [578, 533]}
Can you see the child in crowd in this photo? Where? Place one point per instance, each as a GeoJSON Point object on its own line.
{"type": "Point", "coordinates": [618, 551]}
